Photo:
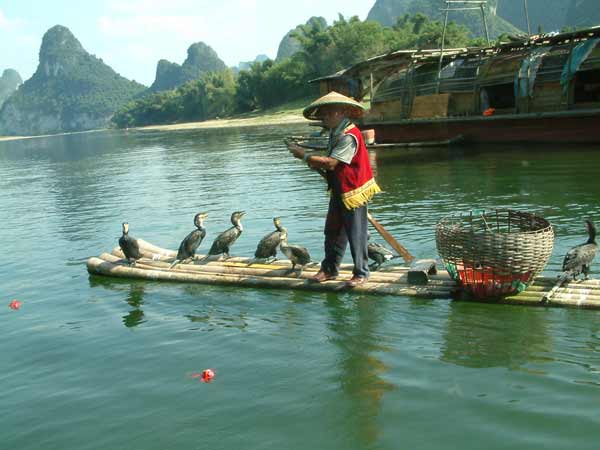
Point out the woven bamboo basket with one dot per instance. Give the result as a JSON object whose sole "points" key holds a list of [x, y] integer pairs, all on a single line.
{"points": [[494, 253]]}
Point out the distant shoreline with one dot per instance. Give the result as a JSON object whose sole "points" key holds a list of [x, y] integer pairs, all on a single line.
{"points": [[17, 138], [288, 114], [282, 118]]}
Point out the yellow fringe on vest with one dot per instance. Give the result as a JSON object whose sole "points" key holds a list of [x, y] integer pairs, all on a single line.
{"points": [[360, 196]]}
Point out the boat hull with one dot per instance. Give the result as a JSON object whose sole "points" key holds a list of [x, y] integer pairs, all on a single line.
{"points": [[561, 127]]}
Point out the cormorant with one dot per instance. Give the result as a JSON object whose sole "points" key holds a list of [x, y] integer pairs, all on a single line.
{"points": [[577, 260], [225, 240], [379, 254], [296, 254], [267, 247], [129, 246], [188, 247]]}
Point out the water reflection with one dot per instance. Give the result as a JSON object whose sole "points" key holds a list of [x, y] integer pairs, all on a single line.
{"points": [[485, 335], [360, 370], [135, 298], [214, 319]]}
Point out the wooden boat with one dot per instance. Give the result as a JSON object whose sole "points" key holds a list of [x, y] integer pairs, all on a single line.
{"points": [[393, 280], [320, 143], [544, 89]]}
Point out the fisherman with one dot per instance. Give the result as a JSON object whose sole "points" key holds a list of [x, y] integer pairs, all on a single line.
{"points": [[350, 181]]}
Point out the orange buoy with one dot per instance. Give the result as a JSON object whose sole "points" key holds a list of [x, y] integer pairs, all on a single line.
{"points": [[206, 376], [15, 304]]}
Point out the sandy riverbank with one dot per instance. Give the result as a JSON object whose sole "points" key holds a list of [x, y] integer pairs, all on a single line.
{"points": [[282, 118], [16, 138], [282, 115]]}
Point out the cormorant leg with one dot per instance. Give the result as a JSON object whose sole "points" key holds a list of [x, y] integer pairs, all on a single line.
{"points": [[174, 263]]}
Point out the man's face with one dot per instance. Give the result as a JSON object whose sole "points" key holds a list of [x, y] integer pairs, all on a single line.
{"points": [[331, 116]]}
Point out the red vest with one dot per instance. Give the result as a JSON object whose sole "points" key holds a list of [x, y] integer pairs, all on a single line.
{"points": [[356, 179]]}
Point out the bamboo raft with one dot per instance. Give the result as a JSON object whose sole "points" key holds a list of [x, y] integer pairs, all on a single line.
{"points": [[393, 280]]}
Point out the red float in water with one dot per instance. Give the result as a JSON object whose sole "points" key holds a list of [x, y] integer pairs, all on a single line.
{"points": [[206, 376], [15, 304]]}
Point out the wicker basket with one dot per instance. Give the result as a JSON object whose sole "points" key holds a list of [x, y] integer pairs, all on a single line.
{"points": [[494, 253]]}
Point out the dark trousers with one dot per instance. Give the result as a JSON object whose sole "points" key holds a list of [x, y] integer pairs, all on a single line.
{"points": [[345, 226]]}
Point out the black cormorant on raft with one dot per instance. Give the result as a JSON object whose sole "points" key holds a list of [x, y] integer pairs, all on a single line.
{"points": [[226, 239], [129, 245], [379, 254], [577, 260], [267, 247], [188, 247], [298, 255]]}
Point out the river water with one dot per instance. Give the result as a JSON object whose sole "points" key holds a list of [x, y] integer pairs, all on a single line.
{"points": [[96, 363]]}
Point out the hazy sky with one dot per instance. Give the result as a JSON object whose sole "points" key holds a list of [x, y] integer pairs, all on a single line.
{"points": [[132, 35]]}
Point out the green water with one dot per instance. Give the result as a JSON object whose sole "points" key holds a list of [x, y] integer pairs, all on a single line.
{"points": [[97, 363]]}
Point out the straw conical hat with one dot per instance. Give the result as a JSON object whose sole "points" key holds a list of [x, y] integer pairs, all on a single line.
{"points": [[333, 98]]}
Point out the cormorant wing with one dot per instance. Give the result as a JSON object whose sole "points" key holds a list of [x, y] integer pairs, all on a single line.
{"points": [[130, 247], [224, 241], [268, 245], [578, 256], [190, 244], [300, 253]]}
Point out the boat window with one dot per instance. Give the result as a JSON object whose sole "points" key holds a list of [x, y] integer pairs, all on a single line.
{"points": [[587, 87], [459, 76], [425, 79], [392, 88], [498, 96], [552, 65]]}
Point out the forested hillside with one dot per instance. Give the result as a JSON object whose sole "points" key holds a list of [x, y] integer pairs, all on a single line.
{"points": [[9, 82], [323, 50], [71, 90], [387, 12], [201, 59]]}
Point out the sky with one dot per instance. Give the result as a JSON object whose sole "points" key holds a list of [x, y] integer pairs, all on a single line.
{"points": [[132, 35]]}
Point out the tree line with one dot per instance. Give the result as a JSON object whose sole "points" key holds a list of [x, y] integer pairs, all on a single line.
{"points": [[324, 50]]}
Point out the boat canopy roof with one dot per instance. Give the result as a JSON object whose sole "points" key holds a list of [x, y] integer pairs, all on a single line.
{"points": [[384, 64]]}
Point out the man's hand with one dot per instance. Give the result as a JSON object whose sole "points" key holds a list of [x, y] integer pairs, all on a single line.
{"points": [[295, 150]]}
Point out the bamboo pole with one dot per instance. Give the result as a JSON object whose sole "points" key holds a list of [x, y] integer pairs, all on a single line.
{"points": [[266, 271], [158, 254], [102, 267]]}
